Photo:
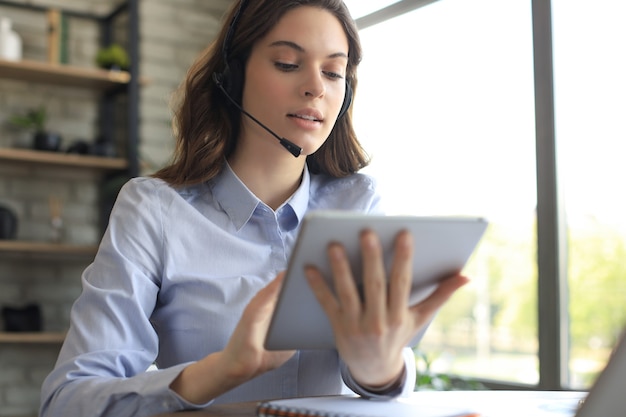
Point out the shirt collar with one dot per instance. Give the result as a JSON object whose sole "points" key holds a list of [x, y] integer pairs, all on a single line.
{"points": [[299, 201], [239, 202], [233, 196]]}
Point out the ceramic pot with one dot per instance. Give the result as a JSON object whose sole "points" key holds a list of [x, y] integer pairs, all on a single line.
{"points": [[10, 42], [47, 141], [8, 223], [22, 319]]}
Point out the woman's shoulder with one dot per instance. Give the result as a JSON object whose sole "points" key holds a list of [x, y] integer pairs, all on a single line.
{"points": [[144, 183], [142, 191], [358, 181], [142, 187], [354, 192], [150, 186], [149, 191]]}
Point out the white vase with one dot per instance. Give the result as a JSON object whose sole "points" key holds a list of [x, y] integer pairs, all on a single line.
{"points": [[10, 42]]}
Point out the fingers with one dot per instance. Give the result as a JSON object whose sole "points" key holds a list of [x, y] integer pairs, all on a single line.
{"points": [[376, 304], [369, 333], [263, 303], [321, 291], [383, 301], [374, 279], [254, 323], [245, 351], [345, 284], [400, 276]]}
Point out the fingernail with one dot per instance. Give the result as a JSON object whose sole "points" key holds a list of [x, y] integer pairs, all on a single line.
{"points": [[370, 240], [335, 252], [309, 274]]}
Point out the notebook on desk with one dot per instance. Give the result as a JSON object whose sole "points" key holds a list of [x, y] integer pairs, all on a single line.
{"points": [[352, 406], [607, 398]]}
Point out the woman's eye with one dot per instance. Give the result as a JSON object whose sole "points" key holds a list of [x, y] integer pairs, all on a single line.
{"points": [[285, 67], [333, 75]]}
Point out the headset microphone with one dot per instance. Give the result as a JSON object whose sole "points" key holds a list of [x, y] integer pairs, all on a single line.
{"points": [[294, 149]]}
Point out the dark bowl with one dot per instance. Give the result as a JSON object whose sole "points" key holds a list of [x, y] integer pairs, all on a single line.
{"points": [[47, 141], [8, 223]]}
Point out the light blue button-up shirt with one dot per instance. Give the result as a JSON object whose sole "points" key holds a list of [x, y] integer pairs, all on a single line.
{"points": [[173, 274]]}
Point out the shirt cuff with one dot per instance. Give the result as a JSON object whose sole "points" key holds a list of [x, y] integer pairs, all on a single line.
{"points": [[387, 392]]}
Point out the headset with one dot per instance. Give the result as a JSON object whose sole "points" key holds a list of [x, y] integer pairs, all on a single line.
{"points": [[230, 82]]}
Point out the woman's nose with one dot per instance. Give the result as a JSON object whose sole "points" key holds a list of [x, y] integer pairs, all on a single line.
{"points": [[313, 85]]}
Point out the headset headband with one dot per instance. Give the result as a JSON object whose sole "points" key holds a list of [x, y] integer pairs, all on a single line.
{"points": [[231, 31]]}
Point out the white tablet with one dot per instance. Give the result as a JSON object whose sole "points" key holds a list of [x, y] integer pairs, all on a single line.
{"points": [[442, 247]]}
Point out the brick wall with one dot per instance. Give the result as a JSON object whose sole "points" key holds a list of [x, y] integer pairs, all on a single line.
{"points": [[171, 35]]}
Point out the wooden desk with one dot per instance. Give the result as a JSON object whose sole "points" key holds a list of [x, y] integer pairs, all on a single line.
{"points": [[247, 409]]}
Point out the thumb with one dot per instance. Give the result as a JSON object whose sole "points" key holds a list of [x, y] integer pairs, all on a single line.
{"points": [[263, 303], [424, 310]]}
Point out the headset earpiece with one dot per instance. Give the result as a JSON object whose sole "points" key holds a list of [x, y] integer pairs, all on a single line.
{"points": [[347, 100], [231, 79]]}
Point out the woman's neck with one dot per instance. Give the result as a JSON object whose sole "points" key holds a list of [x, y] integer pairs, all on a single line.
{"points": [[272, 179]]}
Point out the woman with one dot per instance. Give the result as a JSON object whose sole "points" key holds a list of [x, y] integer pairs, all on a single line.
{"points": [[189, 269]]}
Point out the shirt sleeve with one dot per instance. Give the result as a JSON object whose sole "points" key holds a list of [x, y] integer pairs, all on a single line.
{"points": [[102, 367], [401, 389]]}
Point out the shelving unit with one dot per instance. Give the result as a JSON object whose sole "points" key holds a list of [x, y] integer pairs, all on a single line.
{"points": [[32, 338], [62, 75], [41, 250], [63, 160], [34, 249], [108, 84]]}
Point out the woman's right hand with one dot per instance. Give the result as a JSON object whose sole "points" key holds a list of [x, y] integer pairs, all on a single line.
{"points": [[245, 351], [243, 358]]}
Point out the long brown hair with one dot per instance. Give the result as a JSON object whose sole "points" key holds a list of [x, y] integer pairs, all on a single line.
{"points": [[206, 126]]}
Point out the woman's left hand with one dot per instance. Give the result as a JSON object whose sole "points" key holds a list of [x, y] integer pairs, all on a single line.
{"points": [[371, 334]]}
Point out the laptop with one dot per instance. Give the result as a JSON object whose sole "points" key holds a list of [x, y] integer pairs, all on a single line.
{"points": [[607, 397]]}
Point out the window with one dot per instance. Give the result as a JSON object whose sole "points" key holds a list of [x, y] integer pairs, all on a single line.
{"points": [[590, 105], [445, 106], [360, 8]]}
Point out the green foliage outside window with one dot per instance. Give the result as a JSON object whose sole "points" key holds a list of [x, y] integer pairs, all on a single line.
{"points": [[596, 262], [427, 379]]}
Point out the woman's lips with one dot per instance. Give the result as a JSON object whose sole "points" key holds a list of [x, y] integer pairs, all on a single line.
{"points": [[305, 117]]}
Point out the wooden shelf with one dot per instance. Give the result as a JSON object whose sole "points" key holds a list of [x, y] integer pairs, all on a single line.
{"points": [[65, 75], [32, 337], [63, 159], [43, 248]]}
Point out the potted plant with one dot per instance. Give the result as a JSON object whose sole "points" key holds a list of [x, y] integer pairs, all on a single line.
{"points": [[428, 380], [113, 57], [35, 121]]}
